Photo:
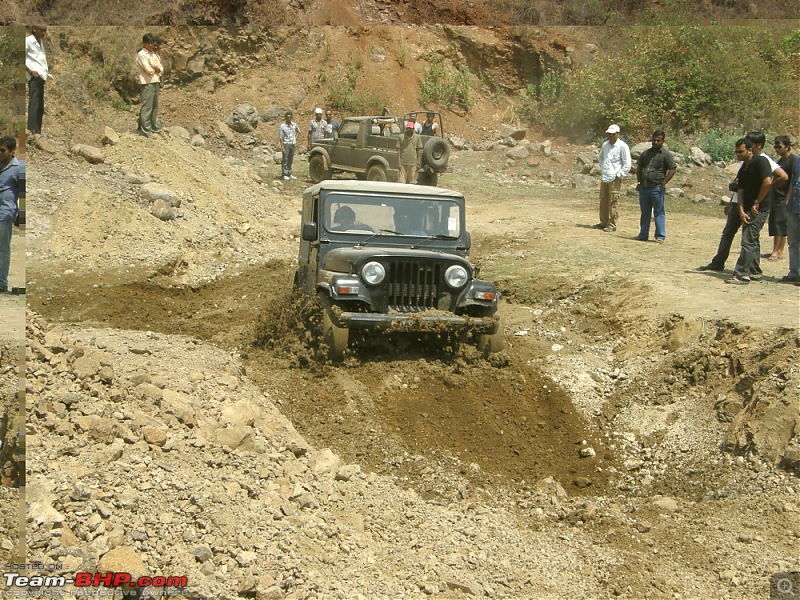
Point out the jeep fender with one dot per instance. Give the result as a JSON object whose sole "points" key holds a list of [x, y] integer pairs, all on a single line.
{"points": [[379, 160], [323, 153]]}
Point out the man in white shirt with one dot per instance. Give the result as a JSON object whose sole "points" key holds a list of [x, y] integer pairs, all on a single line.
{"points": [[615, 163], [150, 70], [36, 72]]}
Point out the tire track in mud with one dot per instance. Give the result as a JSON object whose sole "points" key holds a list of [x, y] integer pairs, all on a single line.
{"points": [[423, 409]]}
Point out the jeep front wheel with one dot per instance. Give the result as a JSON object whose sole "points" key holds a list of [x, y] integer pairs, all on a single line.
{"points": [[489, 343], [335, 338], [376, 173], [317, 170]]}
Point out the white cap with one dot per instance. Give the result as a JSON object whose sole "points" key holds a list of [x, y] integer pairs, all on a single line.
{"points": [[318, 111], [613, 129]]}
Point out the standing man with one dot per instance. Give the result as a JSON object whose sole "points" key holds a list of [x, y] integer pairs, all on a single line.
{"points": [[12, 184], [654, 169], [150, 70], [755, 182], [333, 124], [429, 126], [287, 135], [36, 73], [778, 214], [409, 150], [615, 163], [316, 128], [733, 221], [793, 225]]}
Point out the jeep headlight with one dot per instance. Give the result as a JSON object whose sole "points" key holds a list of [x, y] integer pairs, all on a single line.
{"points": [[456, 276], [373, 273]]}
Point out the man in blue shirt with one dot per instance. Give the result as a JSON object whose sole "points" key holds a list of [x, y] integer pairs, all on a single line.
{"points": [[12, 184], [793, 226]]}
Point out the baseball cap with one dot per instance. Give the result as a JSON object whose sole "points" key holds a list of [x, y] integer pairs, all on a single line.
{"points": [[613, 129], [409, 125], [317, 111]]}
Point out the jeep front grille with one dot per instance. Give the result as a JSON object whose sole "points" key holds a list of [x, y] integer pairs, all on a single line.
{"points": [[413, 286]]}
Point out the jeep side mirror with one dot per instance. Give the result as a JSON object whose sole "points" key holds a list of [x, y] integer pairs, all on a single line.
{"points": [[309, 231], [467, 240]]}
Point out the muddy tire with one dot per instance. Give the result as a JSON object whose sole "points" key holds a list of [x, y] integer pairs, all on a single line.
{"points": [[489, 343], [376, 173], [424, 178], [436, 153], [334, 338], [317, 170]]}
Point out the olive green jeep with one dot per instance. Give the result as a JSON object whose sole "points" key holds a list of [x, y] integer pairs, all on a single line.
{"points": [[367, 147], [379, 255]]}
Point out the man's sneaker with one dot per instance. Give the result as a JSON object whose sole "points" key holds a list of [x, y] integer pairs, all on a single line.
{"points": [[609, 229], [3, 288], [292, 177], [639, 238], [660, 240], [735, 280], [790, 279], [710, 267], [286, 178], [756, 277], [598, 226]]}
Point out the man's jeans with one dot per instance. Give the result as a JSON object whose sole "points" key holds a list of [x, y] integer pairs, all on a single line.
{"points": [[732, 225], [651, 200], [287, 160], [749, 262], [5, 250], [793, 231]]}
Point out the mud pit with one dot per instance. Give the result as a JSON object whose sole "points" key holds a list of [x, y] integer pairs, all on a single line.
{"points": [[633, 428], [396, 396]]}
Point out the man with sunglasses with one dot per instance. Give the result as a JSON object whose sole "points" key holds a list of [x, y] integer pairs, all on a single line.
{"points": [[12, 184]]}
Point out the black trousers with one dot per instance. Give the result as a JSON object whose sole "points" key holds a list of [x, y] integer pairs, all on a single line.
{"points": [[732, 225], [35, 104]]}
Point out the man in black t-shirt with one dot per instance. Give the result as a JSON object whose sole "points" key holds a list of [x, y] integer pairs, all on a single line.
{"points": [[755, 181]]}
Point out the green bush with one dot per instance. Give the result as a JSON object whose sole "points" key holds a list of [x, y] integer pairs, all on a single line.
{"points": [[444, 87], [685, 79], [343, 96]]}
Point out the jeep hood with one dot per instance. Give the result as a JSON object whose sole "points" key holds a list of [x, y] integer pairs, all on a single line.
{"points": [[347, 260]]}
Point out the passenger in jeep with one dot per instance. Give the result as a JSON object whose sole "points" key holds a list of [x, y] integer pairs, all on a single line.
{"points": [[345, 218]]}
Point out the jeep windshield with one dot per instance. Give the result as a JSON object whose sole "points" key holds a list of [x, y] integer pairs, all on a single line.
{"points": [[370, 214]]}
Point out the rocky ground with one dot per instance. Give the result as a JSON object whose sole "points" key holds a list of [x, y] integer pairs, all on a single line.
{"points": [[636, 439], [627, 444]]}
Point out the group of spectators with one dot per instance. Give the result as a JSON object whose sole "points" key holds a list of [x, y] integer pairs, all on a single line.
{"points": [[764, 191], [318, 129]]}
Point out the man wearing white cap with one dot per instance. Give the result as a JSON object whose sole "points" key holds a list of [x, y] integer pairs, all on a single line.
{"points": [[316, 128], [615, 163]]}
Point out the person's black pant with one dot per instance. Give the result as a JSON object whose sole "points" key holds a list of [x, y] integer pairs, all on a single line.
{"points": [[35, 104], [732, 225]]}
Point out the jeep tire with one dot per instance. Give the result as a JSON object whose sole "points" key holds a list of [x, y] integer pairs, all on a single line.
{"points": [[334, 338], [317, 170], [489, 343], [425, 178], [376, 173], [436, 153]]}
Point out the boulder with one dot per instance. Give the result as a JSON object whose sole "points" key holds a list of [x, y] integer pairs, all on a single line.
{"points": [[518, 153], [243, 119], [89, 153], [699, 157], [512, 131], [110, 137]]}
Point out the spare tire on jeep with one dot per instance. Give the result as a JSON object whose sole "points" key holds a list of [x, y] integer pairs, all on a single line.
{"points": [[436, 153]]}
